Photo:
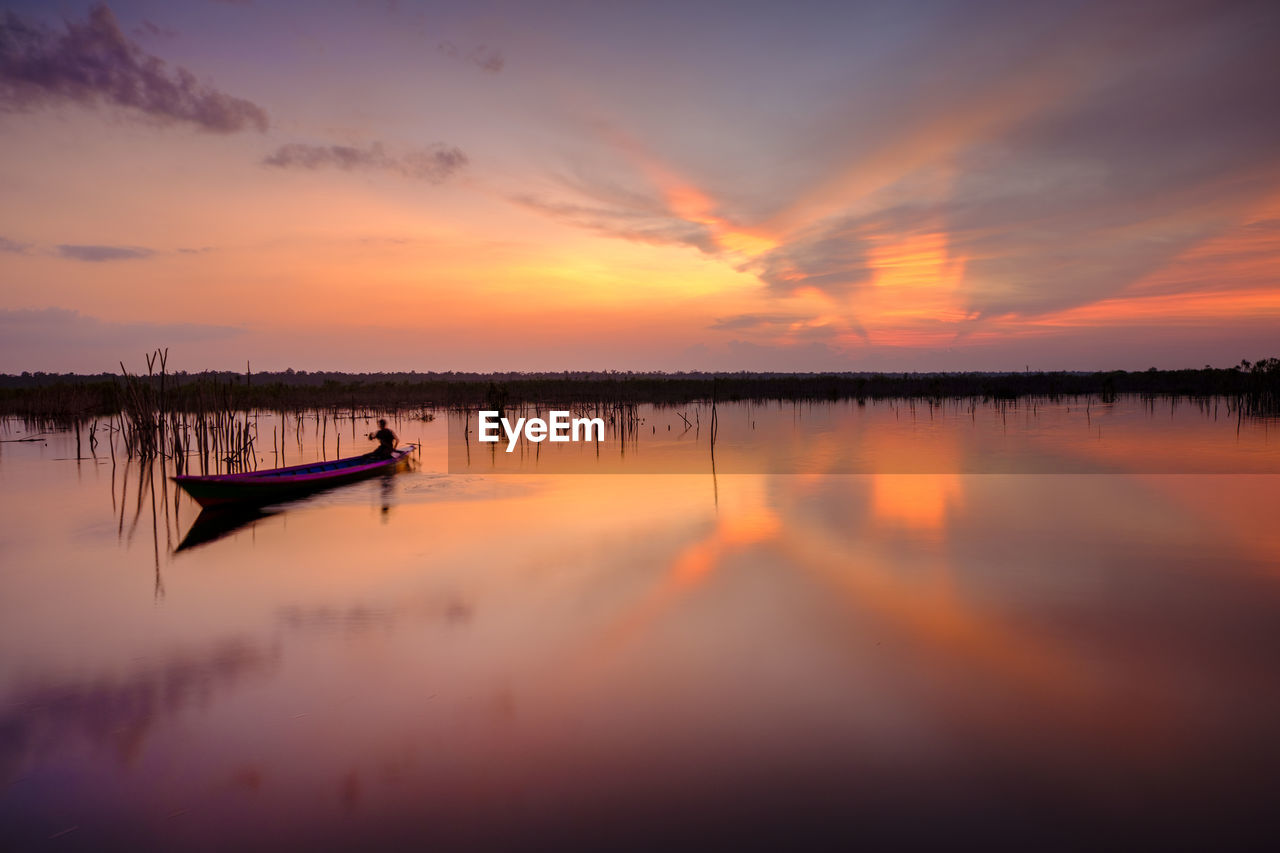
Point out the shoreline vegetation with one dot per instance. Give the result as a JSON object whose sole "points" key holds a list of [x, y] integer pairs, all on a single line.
{"points": [[206, 418], [64, 398]]}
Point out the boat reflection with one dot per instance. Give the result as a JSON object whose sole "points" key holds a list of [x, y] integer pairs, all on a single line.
{"points": [[386, 494], [219, 522]]}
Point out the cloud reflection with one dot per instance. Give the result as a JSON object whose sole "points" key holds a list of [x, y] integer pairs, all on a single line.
{"points": [[47, 714]]}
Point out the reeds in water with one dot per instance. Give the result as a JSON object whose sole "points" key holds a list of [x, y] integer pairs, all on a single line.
{"points": [[208, 427]]}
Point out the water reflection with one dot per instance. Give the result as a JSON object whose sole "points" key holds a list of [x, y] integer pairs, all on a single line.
{"points": [[758, 660], [386, 494], [1127, 435], [214, 523], [45, 714]]}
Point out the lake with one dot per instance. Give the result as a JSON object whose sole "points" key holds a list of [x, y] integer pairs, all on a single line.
{"points": [[1025, 627]]}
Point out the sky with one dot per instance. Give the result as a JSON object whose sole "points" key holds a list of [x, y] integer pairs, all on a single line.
{"points": [[899, 186]]}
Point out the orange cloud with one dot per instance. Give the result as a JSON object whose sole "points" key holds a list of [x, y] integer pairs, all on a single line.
{"points": [[687, 201], [929, 142]]}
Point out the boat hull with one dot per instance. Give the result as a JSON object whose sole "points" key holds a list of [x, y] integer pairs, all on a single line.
{"points": [[258, 488]]}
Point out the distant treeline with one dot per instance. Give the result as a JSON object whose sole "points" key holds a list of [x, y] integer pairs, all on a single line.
{"points": [[1255, 387]]}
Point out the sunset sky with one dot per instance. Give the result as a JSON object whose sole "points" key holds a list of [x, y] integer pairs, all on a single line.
{"points": [[649, 185]]}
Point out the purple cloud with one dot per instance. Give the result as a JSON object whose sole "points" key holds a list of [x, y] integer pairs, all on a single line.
{"points": [[151, 28], [487, 59], [643, 223], [753, 321], [104, 253], [93, 62], [482, 56], [434, 163]]}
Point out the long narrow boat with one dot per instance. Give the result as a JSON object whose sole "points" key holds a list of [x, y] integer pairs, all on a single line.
{"points": [[256, 488]]}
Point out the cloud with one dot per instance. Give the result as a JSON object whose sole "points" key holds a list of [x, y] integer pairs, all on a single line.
{"points": [[625, 203], [833, 260], [1141, 138], [643, 225], [793, 328], [434, 163], [752, 321], [150, 28], [104, 253], [7, 245], [482, 56], [1084, 151], [487, 59], [93, 62]]}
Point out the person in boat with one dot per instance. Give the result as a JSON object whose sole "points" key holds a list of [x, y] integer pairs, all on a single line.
{"points": [[386, 441]]}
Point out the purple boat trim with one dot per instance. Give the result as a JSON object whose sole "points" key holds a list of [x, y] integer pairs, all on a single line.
{"points": [[259, 487]]}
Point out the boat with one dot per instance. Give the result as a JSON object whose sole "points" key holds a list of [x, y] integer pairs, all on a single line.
{"points": [[257, 488]]}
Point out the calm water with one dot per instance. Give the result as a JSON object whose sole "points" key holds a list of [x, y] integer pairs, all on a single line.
{"points": [[548, 660], [892, 437]]}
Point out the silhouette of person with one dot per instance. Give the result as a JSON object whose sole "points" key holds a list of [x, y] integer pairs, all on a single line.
{"points": [[386, 441]]}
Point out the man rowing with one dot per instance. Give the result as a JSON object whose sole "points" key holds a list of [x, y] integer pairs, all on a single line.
{"points": [[386, 441]]}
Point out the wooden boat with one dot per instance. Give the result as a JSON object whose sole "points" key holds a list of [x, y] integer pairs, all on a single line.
{"points": [[281, 484]]}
